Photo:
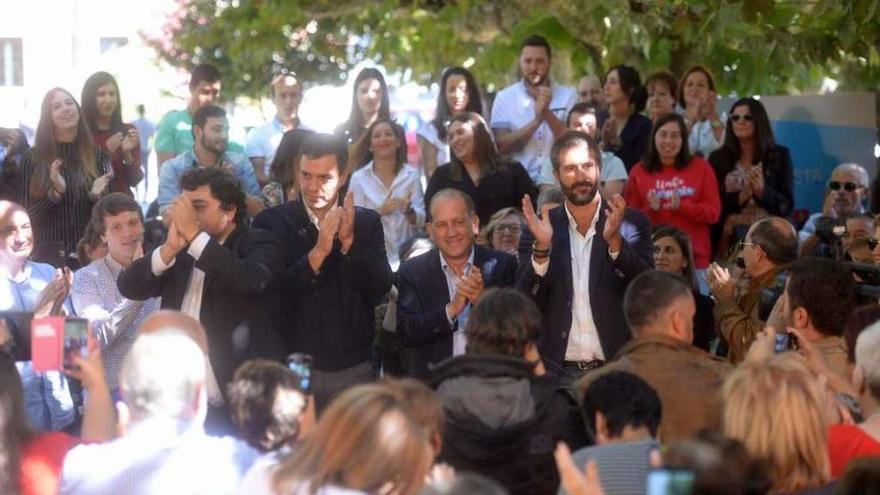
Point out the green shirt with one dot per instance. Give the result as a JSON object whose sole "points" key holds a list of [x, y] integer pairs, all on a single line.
{"points": [[174, 134]]}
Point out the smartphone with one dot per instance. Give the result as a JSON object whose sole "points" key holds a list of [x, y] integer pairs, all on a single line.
{"points": [[76, 340], [785, 342], [301, 365], [670, 482]]}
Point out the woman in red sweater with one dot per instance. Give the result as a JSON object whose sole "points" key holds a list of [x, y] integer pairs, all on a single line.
{"points": [[673, 188]]}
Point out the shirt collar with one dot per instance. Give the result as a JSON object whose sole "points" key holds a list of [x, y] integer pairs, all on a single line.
{"points": [[445, 265], [572, 223], [114, 266], [21, 278], [195, 160], [312, 217]]}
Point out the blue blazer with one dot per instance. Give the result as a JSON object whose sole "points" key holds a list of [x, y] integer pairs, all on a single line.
{"points": [[608, 282], [422, 297]]}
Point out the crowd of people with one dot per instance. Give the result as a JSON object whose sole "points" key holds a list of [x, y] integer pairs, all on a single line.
{"points": [[601, 289]]}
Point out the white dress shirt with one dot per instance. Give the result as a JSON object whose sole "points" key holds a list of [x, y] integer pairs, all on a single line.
{"points": [[192, 303], [369, 192], [583, 337]]}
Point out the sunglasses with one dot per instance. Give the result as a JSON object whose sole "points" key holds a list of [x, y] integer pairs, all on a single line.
{"points": [[509, 229], [736, 117], [742, 244], [846, 186]]}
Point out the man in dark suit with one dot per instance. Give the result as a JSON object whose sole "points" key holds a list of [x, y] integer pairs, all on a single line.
{"points": [[585, 254], [437, 289], [337, 271], [218, 271]]}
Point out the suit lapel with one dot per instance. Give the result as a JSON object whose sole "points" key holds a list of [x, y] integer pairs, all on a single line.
{"points": [[436, 277], [599, 251], [562, 245]]}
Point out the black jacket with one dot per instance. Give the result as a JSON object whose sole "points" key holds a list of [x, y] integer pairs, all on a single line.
{"points": [[608, 282], [239, 310], [422, 297], [329, 315], [503, 422]]}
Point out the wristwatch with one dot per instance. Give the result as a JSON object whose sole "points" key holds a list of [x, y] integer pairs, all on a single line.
{"points": [[716, 124]]}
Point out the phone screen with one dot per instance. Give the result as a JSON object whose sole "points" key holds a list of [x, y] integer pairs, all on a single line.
{"points": [[76, 339], [670, 482], [301, 365]]}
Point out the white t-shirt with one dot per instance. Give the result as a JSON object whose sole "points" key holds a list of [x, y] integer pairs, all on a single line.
{"points": [[514, 108], [263, 141], [429, 132]]}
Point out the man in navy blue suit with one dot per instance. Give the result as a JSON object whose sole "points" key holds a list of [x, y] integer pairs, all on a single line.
{"points": [[437, 289], [585, 254]]}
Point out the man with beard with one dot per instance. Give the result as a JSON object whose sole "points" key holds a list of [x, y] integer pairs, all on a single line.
{"points": [[210, 131], [576, 277], [529, 114], [847, 191]]}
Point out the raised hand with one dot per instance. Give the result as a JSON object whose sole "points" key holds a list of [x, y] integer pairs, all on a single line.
{"points": [[328, 227], [55, 177], [391, 205], [114, 142], [674, 200], [542, 102], [100, 185], [720, 282], [756, 179], [46, 299], [571, 478], [131, 140], [653, 200], [471, 287], [613, 220], [346, 223], [539, 227], [174, 241], [184, 214]]}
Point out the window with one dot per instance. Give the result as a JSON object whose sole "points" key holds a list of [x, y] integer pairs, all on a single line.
{"points": [[11, 66], [108, 44]]}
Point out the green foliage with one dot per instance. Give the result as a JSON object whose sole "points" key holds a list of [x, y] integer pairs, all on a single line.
{"points": [[752, 46]]}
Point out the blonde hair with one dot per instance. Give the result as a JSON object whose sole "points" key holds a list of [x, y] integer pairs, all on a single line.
{"points": [[364, 441], [776, 408]]}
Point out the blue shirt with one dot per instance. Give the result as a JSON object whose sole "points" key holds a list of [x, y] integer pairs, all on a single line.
{"points": [[173, 170], [47, 399]]}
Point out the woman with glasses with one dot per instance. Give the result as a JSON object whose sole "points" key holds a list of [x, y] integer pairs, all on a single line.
{"points": [[504, 231], [755, 176]]}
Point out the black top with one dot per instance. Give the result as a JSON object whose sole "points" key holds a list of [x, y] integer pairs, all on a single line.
{"points": [[59, 226], [634, 140], [778, 196], [502, 188], [704, 321], [329, 314]]}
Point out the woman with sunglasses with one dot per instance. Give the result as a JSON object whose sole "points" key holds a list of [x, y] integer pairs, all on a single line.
{"points": [[755, 176]]}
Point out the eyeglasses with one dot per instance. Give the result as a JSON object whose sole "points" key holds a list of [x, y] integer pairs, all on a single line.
{"points": [[743, 244], [846, 186], [736, 117], [510, 229]]}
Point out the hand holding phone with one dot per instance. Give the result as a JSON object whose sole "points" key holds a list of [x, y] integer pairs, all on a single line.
{"points": [[301, 365]]}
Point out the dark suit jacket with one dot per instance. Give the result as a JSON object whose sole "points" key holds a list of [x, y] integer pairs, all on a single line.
{"points": [[330, 315], [421, 305], [239, 309], [608, 281]]}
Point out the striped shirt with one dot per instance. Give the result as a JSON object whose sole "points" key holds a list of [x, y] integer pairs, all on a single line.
{"points": [[59, 225], [623, 467], [114, 319]]}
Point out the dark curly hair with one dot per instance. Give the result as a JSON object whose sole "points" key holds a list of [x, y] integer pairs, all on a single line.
{"points": [[503, 322]]}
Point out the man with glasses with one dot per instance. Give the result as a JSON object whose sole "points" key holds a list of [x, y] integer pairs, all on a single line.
{"points": [[845, 197], [769, 246]]}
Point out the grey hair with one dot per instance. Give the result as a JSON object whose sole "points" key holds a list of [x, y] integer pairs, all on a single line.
{"points": [[856, 169], [868, 356], [162, 374]]}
